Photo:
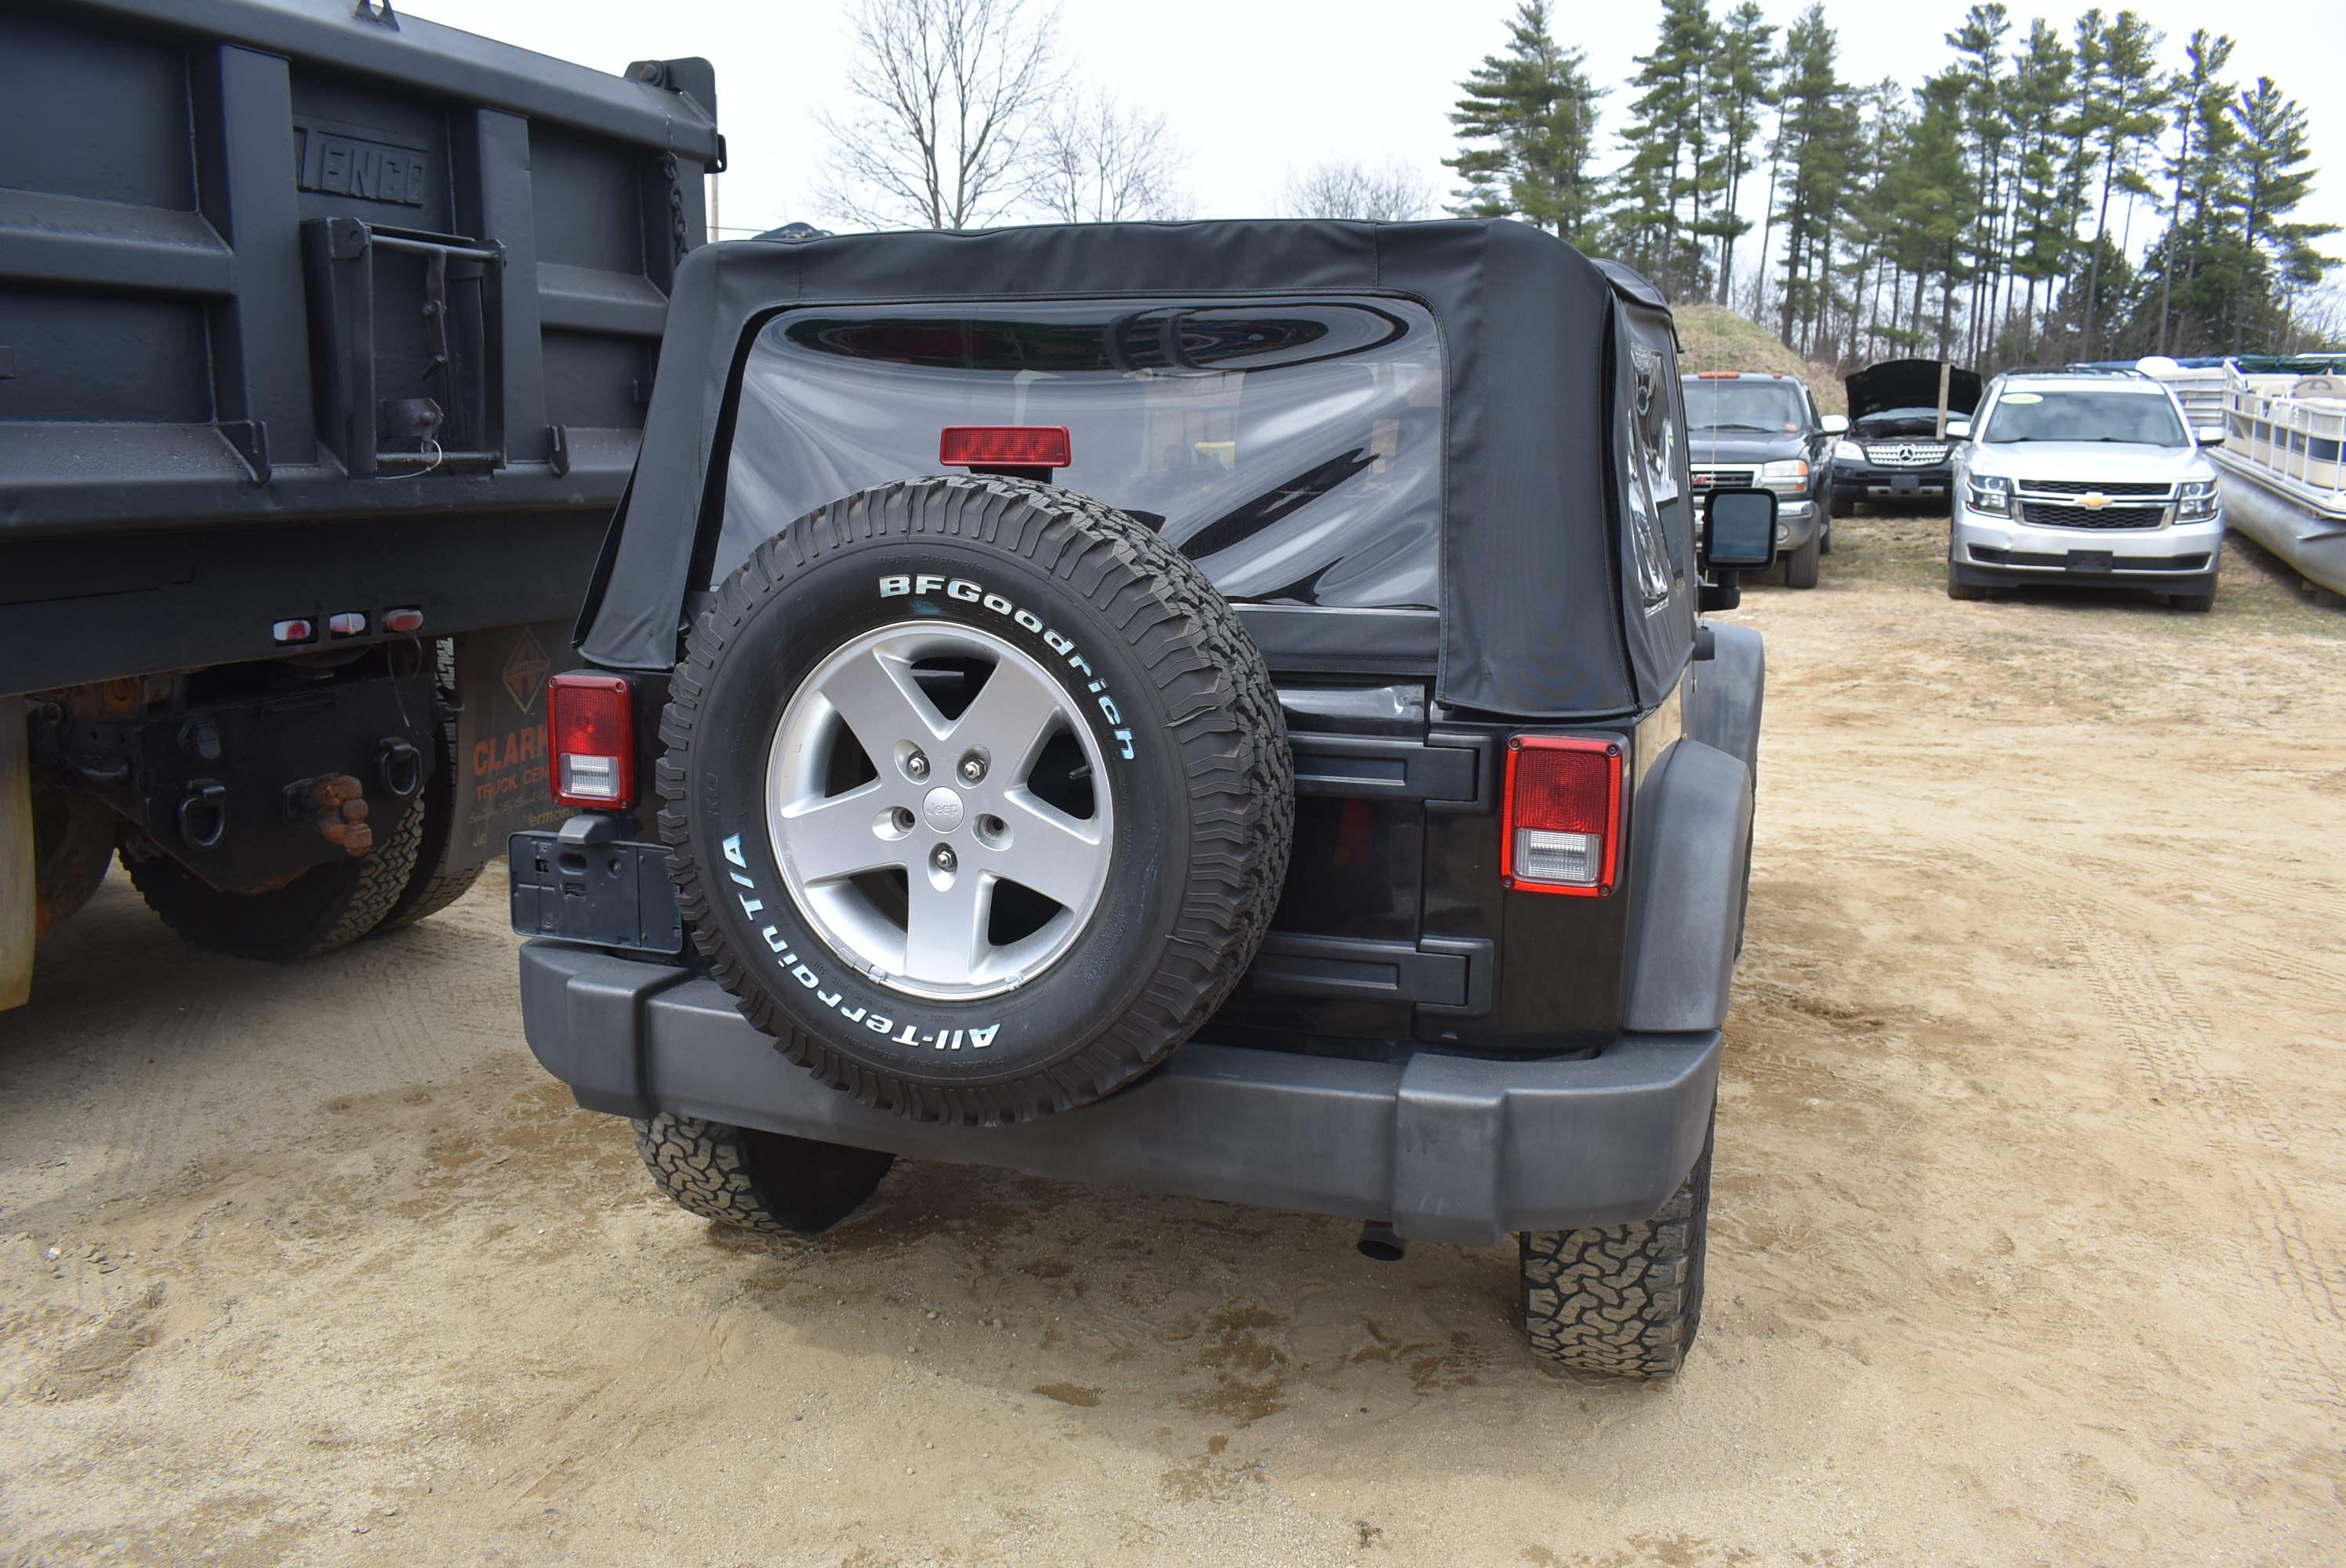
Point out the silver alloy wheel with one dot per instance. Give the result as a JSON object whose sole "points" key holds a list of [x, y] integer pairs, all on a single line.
{"points": [[953, 809]]}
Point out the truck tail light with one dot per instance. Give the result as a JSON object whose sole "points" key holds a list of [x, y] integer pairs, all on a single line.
{"points": [[1560, 822], [1043, 446], [590, 719]]}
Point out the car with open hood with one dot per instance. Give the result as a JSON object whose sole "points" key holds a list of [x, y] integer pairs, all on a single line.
{"points": [[1220, 708], [1762, 429], [2085, 478], [1897, 451]]}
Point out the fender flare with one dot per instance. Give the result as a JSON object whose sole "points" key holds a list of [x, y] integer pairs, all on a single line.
{"points": [[1726, 692], [1692, 839]]}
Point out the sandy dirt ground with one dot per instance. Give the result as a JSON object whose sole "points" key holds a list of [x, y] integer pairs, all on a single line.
{"points": [[2027, 1245]]}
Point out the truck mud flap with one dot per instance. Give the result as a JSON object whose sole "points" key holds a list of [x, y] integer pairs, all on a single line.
{"points": [[504, 782]]}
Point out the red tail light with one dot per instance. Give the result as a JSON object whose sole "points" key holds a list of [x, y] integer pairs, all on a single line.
{"points": [[1560, 825], [591, 722], [1006, 446]]}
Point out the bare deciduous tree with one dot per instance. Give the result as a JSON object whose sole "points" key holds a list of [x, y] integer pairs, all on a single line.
{"points": [[947, 97], [1393, 194], [1100, 163]]}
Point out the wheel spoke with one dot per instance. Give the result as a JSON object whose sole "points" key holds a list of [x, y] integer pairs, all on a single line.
{"points": [[1051, 852], [833, 838], [881, 703], [1011, 716], [944, 934]]}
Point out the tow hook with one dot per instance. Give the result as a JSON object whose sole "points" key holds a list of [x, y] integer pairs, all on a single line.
{"points": [[336, 806], [1379, 1241], [398, 767], [203, 814]]}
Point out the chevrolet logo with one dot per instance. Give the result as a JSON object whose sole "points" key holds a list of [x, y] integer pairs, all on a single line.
{"points": [[2093, 501]]}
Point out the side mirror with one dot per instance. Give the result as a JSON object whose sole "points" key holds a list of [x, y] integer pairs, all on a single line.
{"points": [[1959, 429], [1835, 423], [2209, 436], [1739, 530]]}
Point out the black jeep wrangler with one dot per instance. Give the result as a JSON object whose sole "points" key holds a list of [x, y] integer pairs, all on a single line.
{"points": [[1215, 707]]}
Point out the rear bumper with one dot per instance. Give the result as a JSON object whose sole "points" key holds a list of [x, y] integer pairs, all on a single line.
{"points": [[1446, 1148]]}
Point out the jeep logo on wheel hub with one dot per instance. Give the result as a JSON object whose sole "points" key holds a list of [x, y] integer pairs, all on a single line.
{"points": [[942, 808]]}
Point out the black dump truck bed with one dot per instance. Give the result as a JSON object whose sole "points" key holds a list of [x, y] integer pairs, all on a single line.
{"points": [[292, 289], [326, 337]]}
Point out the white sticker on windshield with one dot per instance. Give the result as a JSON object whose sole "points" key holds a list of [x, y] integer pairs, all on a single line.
{"points": [[2024, 397]]}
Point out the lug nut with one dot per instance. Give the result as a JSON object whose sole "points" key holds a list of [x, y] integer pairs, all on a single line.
{"points": [[943, 858], [916, 765], [972, 769]]}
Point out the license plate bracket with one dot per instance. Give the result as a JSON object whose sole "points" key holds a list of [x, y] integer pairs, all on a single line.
{"points": [[1905, 482], [608, 894], [2089, 560]]}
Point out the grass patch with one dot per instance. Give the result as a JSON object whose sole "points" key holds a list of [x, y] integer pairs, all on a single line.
{"points": [[2255, 591], [1716, 339]]}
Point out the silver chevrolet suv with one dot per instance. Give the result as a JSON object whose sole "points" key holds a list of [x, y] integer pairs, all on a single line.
{"points": [[2087, 479]]}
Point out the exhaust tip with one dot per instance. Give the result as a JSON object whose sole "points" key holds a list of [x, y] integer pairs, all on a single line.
{"points": [[1379, 1242]]}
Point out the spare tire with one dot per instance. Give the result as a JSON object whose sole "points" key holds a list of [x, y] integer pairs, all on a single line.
{"points": [[977, 796]]}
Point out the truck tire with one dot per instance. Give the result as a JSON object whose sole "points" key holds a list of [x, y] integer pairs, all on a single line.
{"points": [[1627, 1300], [1801, 565], [324, 908], [757, 1180], [977, 796], [1969, 593], [73, 845], [430, 887]]}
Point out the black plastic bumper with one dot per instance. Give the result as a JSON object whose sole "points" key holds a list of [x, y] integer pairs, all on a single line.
{"points": [[1447, 1148], [1890, 484]]}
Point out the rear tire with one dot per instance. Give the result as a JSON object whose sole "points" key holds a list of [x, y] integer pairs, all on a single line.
{"points": [[324, 908], [755, 1180], [1624, 1300], [1801, 565], [430, 889]]}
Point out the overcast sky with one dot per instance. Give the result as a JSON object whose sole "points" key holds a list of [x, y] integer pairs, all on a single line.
{"points": [[1254, 88]]}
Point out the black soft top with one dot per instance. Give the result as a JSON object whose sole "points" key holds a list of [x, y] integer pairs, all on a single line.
{"points": [[1543, 614]]}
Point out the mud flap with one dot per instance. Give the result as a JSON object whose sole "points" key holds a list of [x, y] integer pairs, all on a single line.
{"points": [[504, 783], [17, 912]]}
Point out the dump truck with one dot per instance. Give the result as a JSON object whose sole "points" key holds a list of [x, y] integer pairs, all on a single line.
{"points": [[326, 335]]}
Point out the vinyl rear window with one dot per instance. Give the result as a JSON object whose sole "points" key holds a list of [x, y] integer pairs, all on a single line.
{"points": [[1291, 447]]}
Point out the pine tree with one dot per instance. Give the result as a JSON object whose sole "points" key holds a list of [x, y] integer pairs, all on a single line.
{"points": [[2044, 233], [2269, 165], [2198, 174], [1737, 86], [1668, 138], [1526, 129], [1813, 137], [1932, 201], [2123, 100], [1978, 45]]}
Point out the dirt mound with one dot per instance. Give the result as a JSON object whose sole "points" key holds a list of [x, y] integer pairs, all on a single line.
{"points": [[1718, 339]]}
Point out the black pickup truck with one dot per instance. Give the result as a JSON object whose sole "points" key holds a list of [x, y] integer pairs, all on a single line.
{"points": [[1216, 707], [325, 338]]}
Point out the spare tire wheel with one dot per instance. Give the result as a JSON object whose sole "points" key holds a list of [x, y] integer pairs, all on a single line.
{"points": [[978, 797]]}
